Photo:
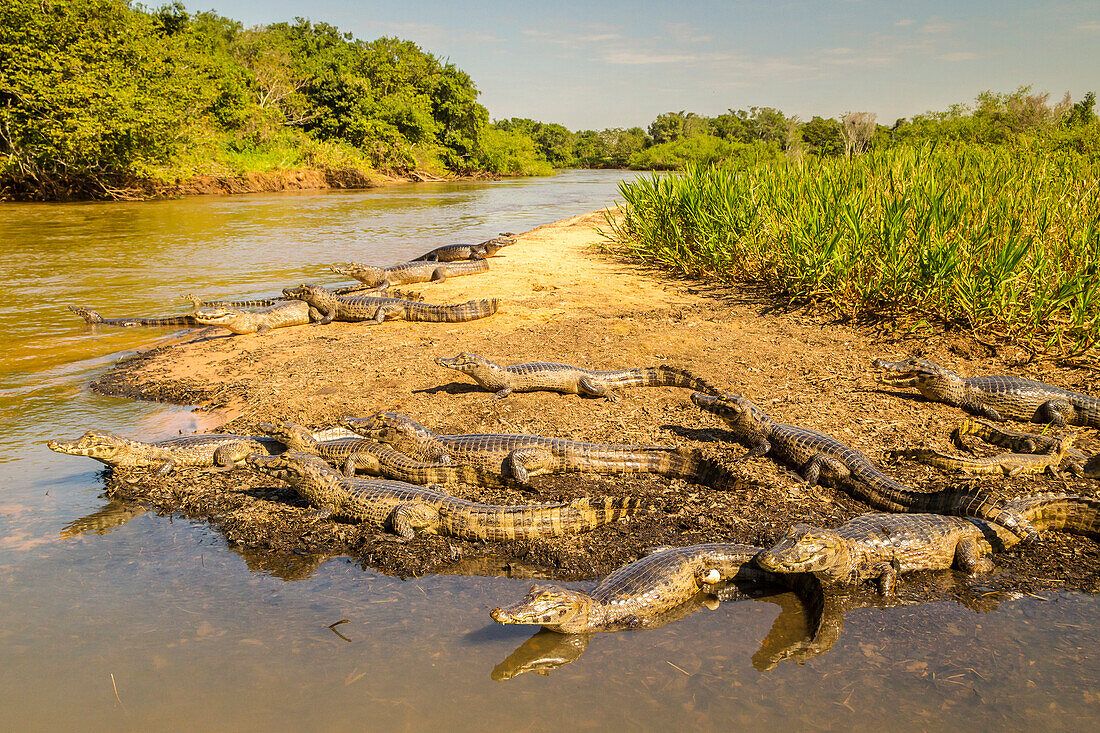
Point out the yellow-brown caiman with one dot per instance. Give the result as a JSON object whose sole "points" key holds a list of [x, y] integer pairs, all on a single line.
{"points": [[877, 547], [205, 450], [551, 377], [458, 252], [821, 457], [278, 315], [1011, 464], [634, 594], [997, 397], [519, 457], [1078, 463], [334, 307], [409, 272], [405, 509]]}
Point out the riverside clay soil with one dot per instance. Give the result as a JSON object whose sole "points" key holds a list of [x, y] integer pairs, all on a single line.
{"points": [[565, 299]]}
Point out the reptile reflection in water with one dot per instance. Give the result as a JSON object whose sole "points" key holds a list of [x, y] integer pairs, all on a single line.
{"points": [[105, 519]]}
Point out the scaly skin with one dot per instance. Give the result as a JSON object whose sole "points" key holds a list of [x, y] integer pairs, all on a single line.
{"points": [[819, 456], [405, 509], [409, 272], [550, 377], [633, 594], [280, 315], [458, 252], [877, 547], [93, 317], [1016, 442], [996, 397], [376, 310], [360, 289], [207, 450], [518, 457], [1011, 464]]}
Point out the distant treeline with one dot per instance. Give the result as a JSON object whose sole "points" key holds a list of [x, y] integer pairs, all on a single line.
{"points": [[104, 97], [678, 139]]}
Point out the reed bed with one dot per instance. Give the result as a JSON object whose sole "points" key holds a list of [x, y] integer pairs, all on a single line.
{"points": [[1005, 242]]}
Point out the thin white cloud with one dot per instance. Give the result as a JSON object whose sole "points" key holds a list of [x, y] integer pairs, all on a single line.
{"points": [[687, 33], [905, 22], [1092, 26], [937, 25], [958, 56], [637, 58]]}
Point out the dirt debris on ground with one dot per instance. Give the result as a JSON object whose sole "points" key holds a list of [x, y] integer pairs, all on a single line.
{"points": [[564, 300]]}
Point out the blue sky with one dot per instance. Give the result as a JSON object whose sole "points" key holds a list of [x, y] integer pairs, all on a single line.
{"points": [[591, 65]]}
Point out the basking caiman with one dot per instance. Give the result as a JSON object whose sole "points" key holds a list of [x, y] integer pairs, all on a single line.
{"points": [[409, 272], [405, 509], [1018, 442], [876, 547], [279, 315], [334, 307], [206, 450], [1011, 464], [364, 290], [458, 252], [519, 457], [550, 377], [93, 317], [996, 397], [634, 593], [819, 456]]}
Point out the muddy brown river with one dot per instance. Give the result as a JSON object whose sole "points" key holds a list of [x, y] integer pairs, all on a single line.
{"points": [[115, 617]]}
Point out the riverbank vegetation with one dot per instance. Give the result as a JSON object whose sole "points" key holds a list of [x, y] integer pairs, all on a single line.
{"points": [[1003, 240]]}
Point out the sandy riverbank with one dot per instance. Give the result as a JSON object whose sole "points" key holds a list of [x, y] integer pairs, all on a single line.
{"points": [[563, 300]]}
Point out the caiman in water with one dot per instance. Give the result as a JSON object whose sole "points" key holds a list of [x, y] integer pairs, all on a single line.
{"points": [[519, 457], [458, 252], [405, 509], [635, 594], [409, 272], [997, 397], [334, 307], [821, 457], [205, 450], [92, 317], [551, 377], [877, 547]]}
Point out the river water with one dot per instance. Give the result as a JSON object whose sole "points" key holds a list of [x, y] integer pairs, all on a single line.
{"points": [[154, 621]]}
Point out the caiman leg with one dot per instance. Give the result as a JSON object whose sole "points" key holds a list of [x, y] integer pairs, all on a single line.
{"points": [[522, 462], [822, 465]]}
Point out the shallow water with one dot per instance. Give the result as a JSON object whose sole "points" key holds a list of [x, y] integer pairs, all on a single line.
{"points": [[156, 622]]}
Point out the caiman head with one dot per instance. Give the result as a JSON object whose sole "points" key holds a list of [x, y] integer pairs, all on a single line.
{"points": [[98, 444], [89, 315], [913, 372], [382, 425], [217, 315], [362, 273], [738, 412], [292, 467], [495, 245], [806, 549], [312, 294], [292, 435], [557, 609], [468, 363]]}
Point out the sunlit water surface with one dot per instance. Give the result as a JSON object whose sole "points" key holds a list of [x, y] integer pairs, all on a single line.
{"points": [[159, 623]]}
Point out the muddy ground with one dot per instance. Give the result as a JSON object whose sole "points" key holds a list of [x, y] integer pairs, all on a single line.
{"points": [[564, 300]]}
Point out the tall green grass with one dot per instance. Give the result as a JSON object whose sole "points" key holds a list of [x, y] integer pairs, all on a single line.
{"points": [[1002, 241]]}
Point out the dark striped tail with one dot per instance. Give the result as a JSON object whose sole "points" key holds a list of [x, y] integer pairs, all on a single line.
{"points": [[469, 311], [660, 376]]}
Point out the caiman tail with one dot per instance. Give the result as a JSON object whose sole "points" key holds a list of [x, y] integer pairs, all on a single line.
{"points": [[1053, 511], [468, 311], [500, 523], [660, 376], [93, 317]]}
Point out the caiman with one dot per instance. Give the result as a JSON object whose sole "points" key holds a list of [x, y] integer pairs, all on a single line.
{"points": [[1011, 464], [334, 307], [405, 509], [997, 397], [551, 377], [877, 547], [633, 594], [205, 450], [822, 457], [409, 272], [458, 252], [518, 457], [198, 302], [1017, 442], [279, 315], [93, 317]]}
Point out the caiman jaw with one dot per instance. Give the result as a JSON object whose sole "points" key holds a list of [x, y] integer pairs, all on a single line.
{"points": [[549, 606], [803, 550], [724, 406]]}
